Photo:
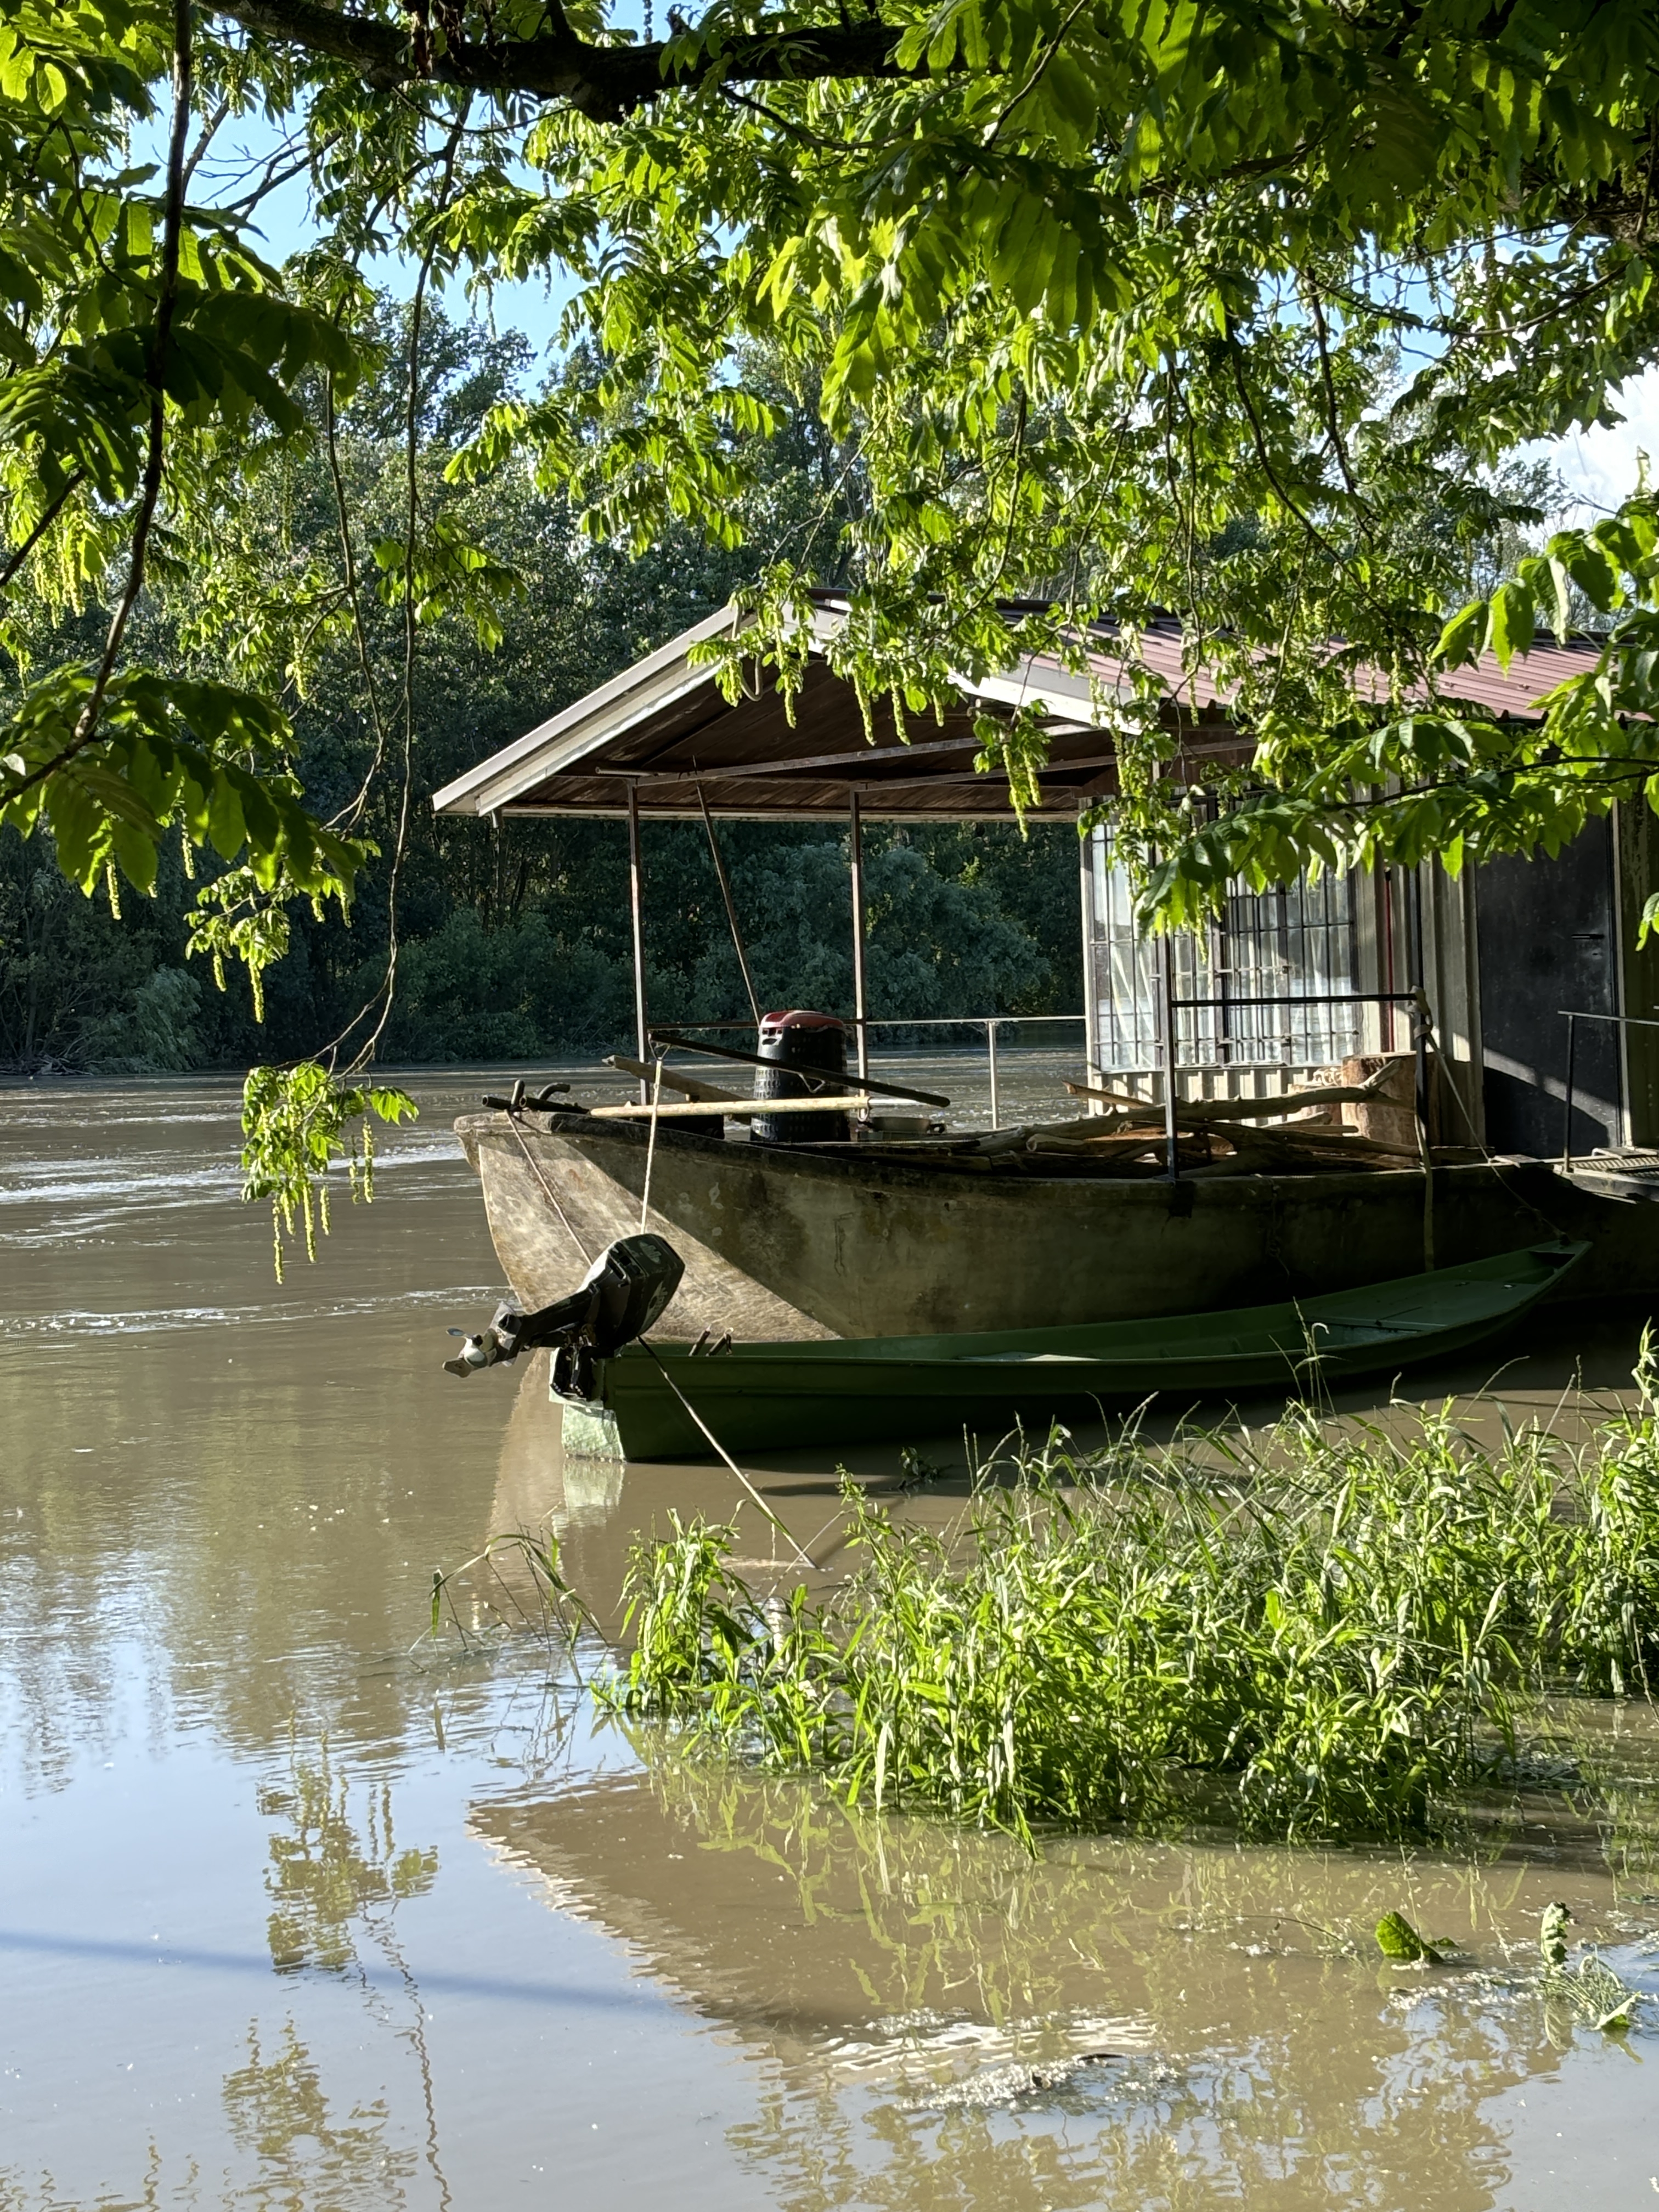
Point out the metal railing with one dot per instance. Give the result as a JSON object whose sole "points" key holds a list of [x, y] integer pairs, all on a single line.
{"points": [[990, 1023], [1421, 1026], [1618, 1021]]}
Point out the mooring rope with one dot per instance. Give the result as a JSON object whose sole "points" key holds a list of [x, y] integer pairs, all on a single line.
{"points": [[651, 1144], [805, 1557], [552, 1196], [765, 1511]]}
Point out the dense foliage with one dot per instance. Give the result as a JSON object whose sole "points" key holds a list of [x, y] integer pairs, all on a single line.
{"points": [[1223, 309], [515, 944]]}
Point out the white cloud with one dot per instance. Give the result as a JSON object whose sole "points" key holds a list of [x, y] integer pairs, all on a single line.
{"points": [[1599, 467]]}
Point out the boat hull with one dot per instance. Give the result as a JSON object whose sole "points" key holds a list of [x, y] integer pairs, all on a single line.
{"points": [[785, 1243], [544, 1247], [768, 1396]]}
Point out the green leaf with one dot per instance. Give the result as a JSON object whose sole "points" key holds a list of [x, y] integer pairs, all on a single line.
{"points": [[1464, 636], [1513, 622], [1398, 1940]]}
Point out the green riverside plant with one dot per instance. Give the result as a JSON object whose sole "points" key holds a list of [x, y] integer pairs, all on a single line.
{"points": [[1313, 1630]]}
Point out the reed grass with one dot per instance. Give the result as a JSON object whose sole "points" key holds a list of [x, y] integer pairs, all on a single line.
{"points": [[1314, 1631]]}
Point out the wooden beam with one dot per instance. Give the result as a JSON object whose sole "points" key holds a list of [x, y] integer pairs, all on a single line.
{"points": [[688, 1085], [807, 1074], [810, 771], [745, 1112], [866, 754]]}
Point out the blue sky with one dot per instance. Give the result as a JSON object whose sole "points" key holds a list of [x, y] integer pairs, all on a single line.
{"points": [[1600, 466], [284, 224]]}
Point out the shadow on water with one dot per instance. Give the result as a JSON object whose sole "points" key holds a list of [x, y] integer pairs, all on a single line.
{"points": [[943, 2019]]}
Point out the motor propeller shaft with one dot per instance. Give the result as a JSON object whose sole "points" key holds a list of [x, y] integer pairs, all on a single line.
{"points": [[622, 1296]]}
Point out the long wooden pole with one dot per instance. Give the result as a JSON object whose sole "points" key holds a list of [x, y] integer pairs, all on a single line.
{"points": [[636, 902], [860, 1010], [807, 1074]]}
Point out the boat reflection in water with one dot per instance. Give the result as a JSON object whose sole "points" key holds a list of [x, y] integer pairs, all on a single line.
{"points": [[538, 1490]]}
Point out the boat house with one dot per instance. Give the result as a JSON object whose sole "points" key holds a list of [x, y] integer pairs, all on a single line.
{"points": [[1290, 982]]}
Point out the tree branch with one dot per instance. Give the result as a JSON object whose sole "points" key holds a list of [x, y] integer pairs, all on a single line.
{"points": [[166, 298], [47, 517], [602, 83]]}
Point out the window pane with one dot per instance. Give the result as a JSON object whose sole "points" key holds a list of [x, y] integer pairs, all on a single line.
{"points": [[1297, 944]]}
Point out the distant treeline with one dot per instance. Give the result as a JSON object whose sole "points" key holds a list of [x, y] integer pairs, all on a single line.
{"points": [[514, 943]]}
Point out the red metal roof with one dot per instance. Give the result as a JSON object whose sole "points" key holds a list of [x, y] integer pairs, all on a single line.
{"points": [[1514, 693], [663, 729]]}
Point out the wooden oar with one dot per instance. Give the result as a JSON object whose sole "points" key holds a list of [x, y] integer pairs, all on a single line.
{"points": [[670, 1078]]}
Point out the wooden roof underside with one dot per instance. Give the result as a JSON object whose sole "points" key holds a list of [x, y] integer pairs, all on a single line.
{"points": [[664, 728], [750, 761]]}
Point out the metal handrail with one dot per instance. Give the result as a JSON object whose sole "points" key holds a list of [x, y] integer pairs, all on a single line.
{"points": [[1421, 1027], [910, 1021], [1309, 998], [990, 1023], [1618, 1021]]}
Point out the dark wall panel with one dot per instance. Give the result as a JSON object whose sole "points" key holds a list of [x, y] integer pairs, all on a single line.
{"points": [[1545, 940], [1637, 832]]}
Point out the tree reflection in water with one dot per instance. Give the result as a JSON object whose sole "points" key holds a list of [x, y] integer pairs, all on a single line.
{"points": [[328, 1882], [281, 2117], [883, 1970], [323, 1877]]}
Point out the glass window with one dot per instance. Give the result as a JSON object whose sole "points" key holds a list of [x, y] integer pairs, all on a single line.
{"points": [[1294, 944]]}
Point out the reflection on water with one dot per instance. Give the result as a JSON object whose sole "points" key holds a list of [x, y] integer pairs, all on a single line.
{"points": [[300, 2150], [1175, 2024], [325, 1875], [299, 1910]]}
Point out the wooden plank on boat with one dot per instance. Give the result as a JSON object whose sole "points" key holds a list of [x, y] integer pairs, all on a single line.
{"points": [[1283, 1103], [672, 1079], [745, 1110], [879, 1090]]}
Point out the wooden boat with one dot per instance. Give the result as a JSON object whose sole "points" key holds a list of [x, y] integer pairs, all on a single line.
{"points": [[793, 1241], [757, 1396]]}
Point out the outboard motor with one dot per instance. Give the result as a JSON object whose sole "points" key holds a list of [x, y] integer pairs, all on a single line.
{"points": [[622, 1296], [799, 1039]]}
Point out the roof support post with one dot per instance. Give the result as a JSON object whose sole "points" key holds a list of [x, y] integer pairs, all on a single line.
{"points": [[636, 902], [860, 1010], [1167, 1023]]}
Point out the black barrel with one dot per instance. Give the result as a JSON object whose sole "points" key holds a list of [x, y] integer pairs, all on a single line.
{"points": [[796, 1040]]}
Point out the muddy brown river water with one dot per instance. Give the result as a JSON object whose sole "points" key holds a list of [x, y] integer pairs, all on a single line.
{"points": [[297, 1910]]}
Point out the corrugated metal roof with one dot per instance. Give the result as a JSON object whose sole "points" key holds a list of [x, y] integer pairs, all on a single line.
{"points": [[1513, 694], [664, 726]]}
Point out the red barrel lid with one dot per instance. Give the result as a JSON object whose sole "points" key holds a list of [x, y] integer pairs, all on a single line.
{"points": [[801, 1017]]}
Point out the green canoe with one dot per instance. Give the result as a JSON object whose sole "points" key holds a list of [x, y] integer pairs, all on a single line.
{"points": [[766, 1396]]}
